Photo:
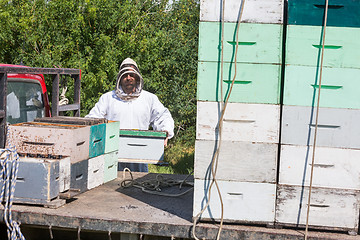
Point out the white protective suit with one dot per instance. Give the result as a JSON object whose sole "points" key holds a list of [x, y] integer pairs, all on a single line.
{"points": [[139, 113]]}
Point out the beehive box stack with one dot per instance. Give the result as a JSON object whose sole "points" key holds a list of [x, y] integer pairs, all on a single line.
{"points": [[248, 152], [335, 198]]}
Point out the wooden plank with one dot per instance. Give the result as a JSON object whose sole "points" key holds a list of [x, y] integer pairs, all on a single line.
{"points": [[254, 83], [341, 13], [339, 86], [304, 44], [65, 174], [79, 176], [337, 127], [238, 161], [142, 133], [331, 165], [257, 43], [51, 139], [71, 120], [258, 123], [329, 207], [242, 201], [255, 11]]}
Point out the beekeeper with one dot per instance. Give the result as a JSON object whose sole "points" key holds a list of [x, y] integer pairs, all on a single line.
{"points": [[133, 107]]}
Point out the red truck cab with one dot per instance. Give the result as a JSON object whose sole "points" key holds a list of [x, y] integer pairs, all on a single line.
{"points": [[27, 97]]}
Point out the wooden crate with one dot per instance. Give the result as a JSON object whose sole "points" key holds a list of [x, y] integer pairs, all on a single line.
{"points": [[110, 166], [341, 13], [339, 86], [141, 145], [243, 201], [112, 136], [258, 43], [242, 122], [255, 11], [304, 44], [333, 167], [330, 208], [95, 171], [51, 139], [237, 161], [337, 127], [255, 83]]}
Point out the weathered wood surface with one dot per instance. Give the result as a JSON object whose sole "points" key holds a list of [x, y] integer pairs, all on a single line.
{"points": [[96, 171], [79, 176], [97, 140], [110, 208], [242, 201], [333, 167], [257, 43], [71, 120], [242, 122], [112, 136], [51, 139], [254, 11], [339, 86], [329, 207], [237, 161], [254, 83], [304, 44], [337, 127]]}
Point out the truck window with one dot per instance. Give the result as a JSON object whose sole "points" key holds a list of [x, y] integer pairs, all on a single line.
{"points": [[24, 101]]}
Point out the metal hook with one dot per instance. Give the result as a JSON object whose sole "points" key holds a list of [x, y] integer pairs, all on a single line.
{"points": [[78, 233], [51, 233], [109, 234]]}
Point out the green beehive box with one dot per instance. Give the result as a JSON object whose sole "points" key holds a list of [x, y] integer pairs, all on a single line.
{"points": [[341, 13], [110, 166], [254, 83], [97, 140], [341, 49], [257, 43], [112, 136], [340, 87]]}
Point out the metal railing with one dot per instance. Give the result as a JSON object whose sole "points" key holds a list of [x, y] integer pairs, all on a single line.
{"points": [[55, 107]]}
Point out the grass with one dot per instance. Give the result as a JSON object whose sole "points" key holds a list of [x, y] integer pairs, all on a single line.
{"points": [[180, 159]]}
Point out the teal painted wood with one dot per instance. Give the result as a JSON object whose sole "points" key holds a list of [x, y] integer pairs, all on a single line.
{"points": [[255, 83], [304, 44], [257, 43], [340, 87], [110, 166], [142, 133], [97, 140], [341, 13], [112, 137]]}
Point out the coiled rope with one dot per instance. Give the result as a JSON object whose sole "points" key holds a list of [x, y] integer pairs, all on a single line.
{"points": [[155, 186], [9, 164], [316, 120], [214, 161]]}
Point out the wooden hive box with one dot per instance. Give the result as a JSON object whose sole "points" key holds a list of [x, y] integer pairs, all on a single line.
{"points": [[141, 145], [51, 139]]}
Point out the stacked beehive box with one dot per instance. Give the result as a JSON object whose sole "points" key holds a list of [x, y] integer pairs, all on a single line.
{"points": [[335, 195], [247, 161], [90, 151]]}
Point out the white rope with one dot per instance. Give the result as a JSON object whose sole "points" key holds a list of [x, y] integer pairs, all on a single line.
{"points": [[63, 100], [9, 163]]}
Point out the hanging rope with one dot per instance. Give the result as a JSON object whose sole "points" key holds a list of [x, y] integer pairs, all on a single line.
{"points": [[9, 163], [214, 161], [316, 121]]}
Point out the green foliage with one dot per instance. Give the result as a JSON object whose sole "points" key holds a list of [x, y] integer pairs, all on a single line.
{"points": [[97, 35]]}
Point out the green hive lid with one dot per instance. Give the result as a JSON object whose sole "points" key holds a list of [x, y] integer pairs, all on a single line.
{"points": [[142, 133]]}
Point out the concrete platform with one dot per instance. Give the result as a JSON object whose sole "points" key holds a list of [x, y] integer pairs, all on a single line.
{"points": [[112, 208]]}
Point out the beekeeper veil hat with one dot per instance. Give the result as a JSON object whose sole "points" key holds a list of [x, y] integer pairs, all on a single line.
{"points": [[129, 66]]}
